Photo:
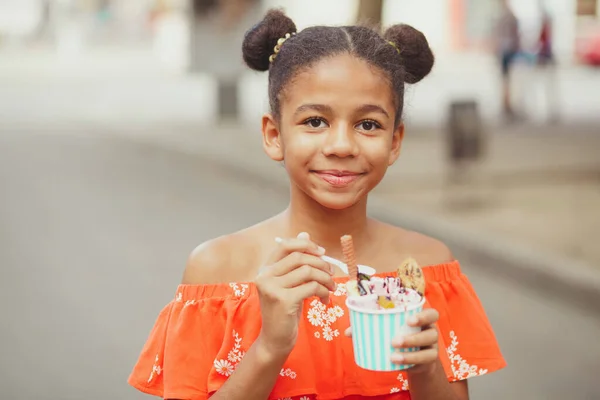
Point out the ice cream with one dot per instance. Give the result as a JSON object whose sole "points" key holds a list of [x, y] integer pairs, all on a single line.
{"points": [[379, 309], [375, 293]]}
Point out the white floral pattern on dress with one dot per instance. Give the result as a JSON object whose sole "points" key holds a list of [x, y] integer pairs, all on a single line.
{"points": [[236, 355], [239, 289], [321, 316], [460, 367], [287, 372], [189, 303], [226, 367], [179, 297], [156, 370], [404, 383], [340, 290]]}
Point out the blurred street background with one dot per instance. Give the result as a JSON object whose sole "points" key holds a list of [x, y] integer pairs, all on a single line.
{"points": [[129, 133]]}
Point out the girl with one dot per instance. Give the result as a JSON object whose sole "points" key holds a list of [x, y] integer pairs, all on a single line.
{"points": [[259, 315]]}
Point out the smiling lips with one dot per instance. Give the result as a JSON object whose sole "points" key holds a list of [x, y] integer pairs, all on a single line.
{"points": [[338, 178]]}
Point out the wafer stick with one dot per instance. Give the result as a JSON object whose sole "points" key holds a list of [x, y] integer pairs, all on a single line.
{"points": [[349, 256]]}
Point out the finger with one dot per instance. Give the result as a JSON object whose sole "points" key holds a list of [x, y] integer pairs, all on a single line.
{"points": [[310, 289], [348, 332], [287, 246], [417, 357], [425, 338], [426, 317], [298, 259], [304, 274]]}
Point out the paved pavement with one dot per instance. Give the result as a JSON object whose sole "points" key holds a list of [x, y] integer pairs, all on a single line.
{"points": [[535, 187], [94, 232]]}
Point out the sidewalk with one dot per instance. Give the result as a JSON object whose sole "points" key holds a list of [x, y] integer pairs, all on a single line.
{"points": [[540, 189], [532, 202], [533, 206], [534, 210]]}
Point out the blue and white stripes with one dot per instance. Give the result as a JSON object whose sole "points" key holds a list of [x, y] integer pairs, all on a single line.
{"points": [[372, 334]]}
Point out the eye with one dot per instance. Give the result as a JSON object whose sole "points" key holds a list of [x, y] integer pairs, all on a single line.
{"points": [[368, 125], [315, 123]]}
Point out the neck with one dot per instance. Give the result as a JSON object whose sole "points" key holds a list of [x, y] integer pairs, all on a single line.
{"points": [[326, 226]]}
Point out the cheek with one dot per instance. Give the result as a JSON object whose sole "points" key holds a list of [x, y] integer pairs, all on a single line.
{"points": [[377, 151], [300, 146]]}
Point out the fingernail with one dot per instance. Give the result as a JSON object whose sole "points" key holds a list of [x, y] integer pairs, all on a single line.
{"points": [[303, 235], [279, 240], [321, 250], [413, 320], [331, 269], [398, 342]]}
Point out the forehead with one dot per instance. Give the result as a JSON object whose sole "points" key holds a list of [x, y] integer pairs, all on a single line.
{"points": [[340, 81]]}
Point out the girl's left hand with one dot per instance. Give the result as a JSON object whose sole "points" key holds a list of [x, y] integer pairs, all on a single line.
{"points": [[427, 340]]}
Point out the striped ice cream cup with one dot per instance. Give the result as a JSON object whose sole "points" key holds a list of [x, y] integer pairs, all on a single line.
{"points": [[373, 331]]}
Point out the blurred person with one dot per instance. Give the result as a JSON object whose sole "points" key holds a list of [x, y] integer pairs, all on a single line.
{"points": [[259, 314], [547, 63], [545, 53], [507, 41]]}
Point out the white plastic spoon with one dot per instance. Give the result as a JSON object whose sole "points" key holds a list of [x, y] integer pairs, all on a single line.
{"points": [[341, 265]]}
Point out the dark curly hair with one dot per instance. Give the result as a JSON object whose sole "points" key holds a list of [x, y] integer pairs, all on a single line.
{"points": [[408, 60]]}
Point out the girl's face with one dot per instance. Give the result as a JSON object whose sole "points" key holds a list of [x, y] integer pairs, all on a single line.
{"points": [[336, 132]]}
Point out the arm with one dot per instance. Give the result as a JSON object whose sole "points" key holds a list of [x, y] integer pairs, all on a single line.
{"points": [[255, 376], [293, 273], [433, 385]]}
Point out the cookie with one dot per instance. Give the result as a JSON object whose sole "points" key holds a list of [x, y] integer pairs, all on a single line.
{"points": [[411, 276]]}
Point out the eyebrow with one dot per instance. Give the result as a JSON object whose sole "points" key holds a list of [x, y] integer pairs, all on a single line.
{"points": [[322, 108], [366, 108], [316, 107]]}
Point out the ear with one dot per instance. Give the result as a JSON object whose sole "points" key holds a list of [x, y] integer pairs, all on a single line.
{"points": [[272, 138], [397, 138]]}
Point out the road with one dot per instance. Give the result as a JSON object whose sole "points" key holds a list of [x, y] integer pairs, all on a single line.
{"points": [[94, 232]]}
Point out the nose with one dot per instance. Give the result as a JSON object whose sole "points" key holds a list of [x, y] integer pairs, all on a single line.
{"points": [[341, 142]]}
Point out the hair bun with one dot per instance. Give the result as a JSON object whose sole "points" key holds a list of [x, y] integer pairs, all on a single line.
{"points": [[261, 39], [417, 57]]}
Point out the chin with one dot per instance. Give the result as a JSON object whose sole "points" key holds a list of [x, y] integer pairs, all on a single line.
{"points": [[334, 201]]}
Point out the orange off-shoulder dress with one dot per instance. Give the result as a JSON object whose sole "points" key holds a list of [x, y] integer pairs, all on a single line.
{"points": [[203, 333]]}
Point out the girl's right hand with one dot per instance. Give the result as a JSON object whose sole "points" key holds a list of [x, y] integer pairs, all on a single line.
{"points": [[293, 273]]}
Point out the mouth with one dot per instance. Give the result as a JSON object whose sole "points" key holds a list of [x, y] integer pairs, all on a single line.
{"points": [[338, 178]]}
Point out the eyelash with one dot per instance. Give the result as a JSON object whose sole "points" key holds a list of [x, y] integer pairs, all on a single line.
{"points": [[375, 123], [308, 120]]}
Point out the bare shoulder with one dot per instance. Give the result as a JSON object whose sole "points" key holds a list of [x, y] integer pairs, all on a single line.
{"points": [[223, 259], [426, 250]]}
